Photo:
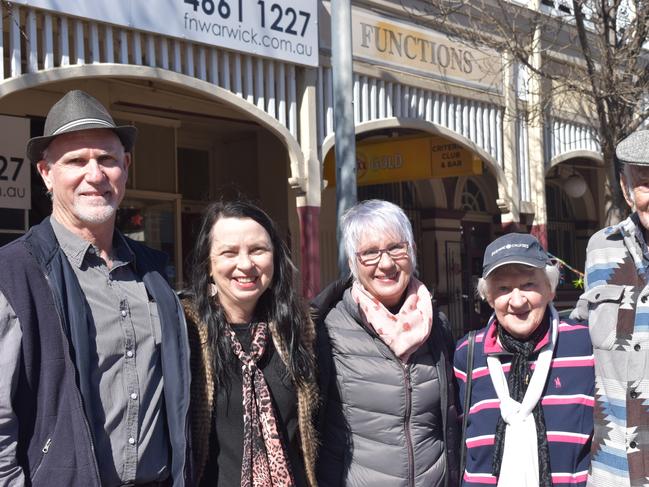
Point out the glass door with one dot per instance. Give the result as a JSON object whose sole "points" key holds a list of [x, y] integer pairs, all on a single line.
{"points": [[153, 220]]}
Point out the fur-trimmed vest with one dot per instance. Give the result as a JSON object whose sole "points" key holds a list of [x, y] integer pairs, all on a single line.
{"points": [[203, 394]]}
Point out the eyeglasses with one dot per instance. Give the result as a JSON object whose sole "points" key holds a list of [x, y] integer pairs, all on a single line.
{"points": [[373, 256]]}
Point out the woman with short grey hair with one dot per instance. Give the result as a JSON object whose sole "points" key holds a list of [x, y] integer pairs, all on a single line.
{"points": [[388, 416]]}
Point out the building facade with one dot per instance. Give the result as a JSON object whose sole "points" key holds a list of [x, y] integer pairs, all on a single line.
{"points": [[441, 128]]}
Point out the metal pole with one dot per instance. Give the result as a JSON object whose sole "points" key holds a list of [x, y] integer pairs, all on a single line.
{"points": [[345, 137]]}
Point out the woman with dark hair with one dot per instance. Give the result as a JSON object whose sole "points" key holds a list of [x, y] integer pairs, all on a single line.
{"points": [[254, 381]]}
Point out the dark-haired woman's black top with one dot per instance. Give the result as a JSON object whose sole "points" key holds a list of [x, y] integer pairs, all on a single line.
{"points": [[223, 467]]}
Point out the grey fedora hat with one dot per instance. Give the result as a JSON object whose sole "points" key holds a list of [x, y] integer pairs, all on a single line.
{"points": [[77, 110], [634, 149]]}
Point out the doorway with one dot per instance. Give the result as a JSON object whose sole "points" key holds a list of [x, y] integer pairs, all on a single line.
{"points": [[475, 238]]}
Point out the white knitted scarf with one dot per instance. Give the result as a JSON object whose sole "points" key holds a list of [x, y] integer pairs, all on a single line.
{"points": [[520, 463]]}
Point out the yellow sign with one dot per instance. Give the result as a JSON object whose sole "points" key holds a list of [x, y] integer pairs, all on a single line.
{"points": [[407, 159]]}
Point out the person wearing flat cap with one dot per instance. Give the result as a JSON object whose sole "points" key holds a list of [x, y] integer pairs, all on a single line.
{"points": [[94, 387], [616, 304], [526, 380]]}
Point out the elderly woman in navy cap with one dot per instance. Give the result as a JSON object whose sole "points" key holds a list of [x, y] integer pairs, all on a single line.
{"points": [[526, 379]]}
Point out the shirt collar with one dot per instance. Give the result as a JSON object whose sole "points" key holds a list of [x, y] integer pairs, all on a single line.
{"points": [[490, 341], [76, 248], [631, 230], [629, 227]]}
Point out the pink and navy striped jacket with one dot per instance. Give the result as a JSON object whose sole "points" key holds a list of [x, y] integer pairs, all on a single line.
{"points": [[567, 403]]}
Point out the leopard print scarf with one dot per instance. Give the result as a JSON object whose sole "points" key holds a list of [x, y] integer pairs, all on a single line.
{"points": [[265, 462]]}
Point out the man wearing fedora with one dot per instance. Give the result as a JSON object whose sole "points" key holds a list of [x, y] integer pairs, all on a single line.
{"points": [[94, 386], [616, 305]]}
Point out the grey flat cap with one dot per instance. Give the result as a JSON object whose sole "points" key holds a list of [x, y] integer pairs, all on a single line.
{"points": [[77, 110], [634, 149]]}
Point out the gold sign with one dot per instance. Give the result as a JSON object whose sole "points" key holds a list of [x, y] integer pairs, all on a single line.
{"points": [[407, 159], [409, 47]]}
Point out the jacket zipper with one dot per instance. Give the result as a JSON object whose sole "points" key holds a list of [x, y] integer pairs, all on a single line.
{"points": [[406, 424], [405, 369], [85, 420], [46, 447]]}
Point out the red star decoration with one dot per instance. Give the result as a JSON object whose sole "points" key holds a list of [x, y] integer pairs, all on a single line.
{"points": [[137, 220]]}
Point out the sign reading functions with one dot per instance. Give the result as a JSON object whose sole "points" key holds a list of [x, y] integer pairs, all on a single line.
{"points": [[409, 47], [407, 159], [15, 174], [280, 29]]}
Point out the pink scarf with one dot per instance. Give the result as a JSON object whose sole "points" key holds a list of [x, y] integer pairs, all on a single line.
{"points": [[409, 328]]}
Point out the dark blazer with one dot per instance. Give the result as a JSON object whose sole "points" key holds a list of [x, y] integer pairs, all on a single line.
{"points": [[41, 287]]}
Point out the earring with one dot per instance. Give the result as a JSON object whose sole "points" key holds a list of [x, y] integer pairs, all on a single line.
{"points": [[213, 290]]}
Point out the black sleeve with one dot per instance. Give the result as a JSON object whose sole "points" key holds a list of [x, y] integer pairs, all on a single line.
{"points": [[328, 298], [452, 437], [330, 466], [324, 302]]}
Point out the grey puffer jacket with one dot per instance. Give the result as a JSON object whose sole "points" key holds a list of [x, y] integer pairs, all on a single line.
{"points": [[383, 423]]}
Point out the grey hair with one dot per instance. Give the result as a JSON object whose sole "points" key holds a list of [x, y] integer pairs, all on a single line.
{"points": [[45, 155], [375, 217], [552, 273]]}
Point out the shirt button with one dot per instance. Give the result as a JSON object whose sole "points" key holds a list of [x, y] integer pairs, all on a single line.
{"points": [[633, 394], [633, 444], [123, 313], [131, 441], [133, 395], [129, 353], [637, 347]]}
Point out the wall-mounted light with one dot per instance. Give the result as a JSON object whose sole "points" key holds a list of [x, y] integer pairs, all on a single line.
{"points": [[574, 185]]}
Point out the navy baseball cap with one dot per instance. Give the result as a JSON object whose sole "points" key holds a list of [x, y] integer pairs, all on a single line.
{"points": [[514, 248]]}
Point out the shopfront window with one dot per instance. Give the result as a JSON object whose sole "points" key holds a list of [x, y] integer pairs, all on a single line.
{"points": [[194, 174], [12, 224], [476, 234], [152, 222], [472, 199], [561, 227]]}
